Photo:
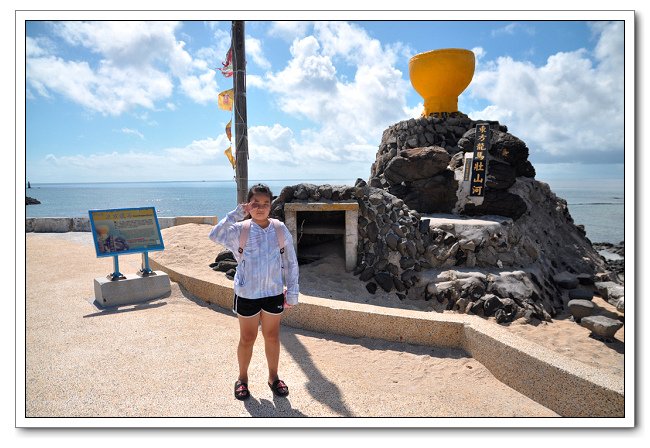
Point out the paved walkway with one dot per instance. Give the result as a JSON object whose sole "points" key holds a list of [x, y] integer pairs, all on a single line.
{"points": [[176, 357]]}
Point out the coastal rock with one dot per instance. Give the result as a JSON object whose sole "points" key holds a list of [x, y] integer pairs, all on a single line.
{"points": [[602, 326], [417, 163], [500, 175], [384, 280], [224, 255], [224, 266], [31, 201], [620, 305], [581, 294], [566, 280], [371, 287], [498, 202], [585, 279], [580, 308], [490, 304], [610, 291]]}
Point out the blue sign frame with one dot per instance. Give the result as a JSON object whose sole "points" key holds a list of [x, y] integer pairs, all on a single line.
{"points": [[119, 228]]}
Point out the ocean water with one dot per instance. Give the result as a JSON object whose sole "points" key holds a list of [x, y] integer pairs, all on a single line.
{"points": [[598, 205], [192, 198]]}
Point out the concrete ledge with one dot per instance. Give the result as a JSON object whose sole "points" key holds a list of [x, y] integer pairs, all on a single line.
{"points": [[82, 224], [52, 225], [567, 387], [561, 384]]}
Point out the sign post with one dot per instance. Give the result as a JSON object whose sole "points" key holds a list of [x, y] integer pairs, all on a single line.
{"points": [[145, 270], [116, 275], [124, 231]]}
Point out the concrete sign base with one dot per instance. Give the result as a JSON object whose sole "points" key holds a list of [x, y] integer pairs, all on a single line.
{"points": [[132, 289]]}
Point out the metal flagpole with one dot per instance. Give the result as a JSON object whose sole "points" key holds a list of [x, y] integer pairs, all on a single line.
{"points": [[241, 128]]}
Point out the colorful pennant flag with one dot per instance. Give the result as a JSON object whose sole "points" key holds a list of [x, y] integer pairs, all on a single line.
{"points": [[228, 153], [229, 130], [226, 70], [226, 99]]}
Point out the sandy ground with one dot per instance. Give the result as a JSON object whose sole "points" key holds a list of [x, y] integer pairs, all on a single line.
{"points": [[326, 278], [175, 356]]}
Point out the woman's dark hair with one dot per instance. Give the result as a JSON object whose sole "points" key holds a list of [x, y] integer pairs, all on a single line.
{"points": [[259, 189]]}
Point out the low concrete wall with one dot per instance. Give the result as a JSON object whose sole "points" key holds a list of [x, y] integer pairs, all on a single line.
{"points": [[568, 387], [82, 224]]}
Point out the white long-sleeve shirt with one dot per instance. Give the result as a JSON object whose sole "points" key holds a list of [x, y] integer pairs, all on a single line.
{"points": [[259, 273]]}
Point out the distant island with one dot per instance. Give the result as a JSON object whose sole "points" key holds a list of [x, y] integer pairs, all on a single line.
{"points": [[31, 201]]}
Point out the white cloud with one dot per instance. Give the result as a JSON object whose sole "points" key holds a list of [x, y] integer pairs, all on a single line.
{"points": [[512, 29], [37, 47], [125, 43], [289, 30], [349, 115], [198, 158], [569, 109], [133, 132], [254, 50], [255, 81], [414, 112], [202, 88], [479, 53], [136, 64]]}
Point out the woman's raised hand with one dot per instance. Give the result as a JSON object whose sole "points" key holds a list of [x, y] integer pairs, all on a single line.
{"points": [[247, 207]]}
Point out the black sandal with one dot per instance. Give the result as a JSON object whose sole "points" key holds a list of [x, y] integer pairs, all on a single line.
{"points": [[241, 390], [279, 388]]}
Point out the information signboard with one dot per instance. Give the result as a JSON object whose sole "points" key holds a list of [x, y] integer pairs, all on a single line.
{"points": [[125, 230]]}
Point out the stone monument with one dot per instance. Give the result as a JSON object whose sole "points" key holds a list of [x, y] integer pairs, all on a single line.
{"points": [[509, 249]]}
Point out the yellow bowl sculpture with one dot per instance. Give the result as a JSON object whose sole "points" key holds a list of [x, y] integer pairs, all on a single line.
{"points": [[440, 76]]}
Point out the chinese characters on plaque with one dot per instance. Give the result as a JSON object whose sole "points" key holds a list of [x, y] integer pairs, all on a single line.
{"points": [[479, 161]]}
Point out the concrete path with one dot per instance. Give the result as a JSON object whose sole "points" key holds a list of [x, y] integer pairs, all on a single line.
{"points": [[176, 357]]}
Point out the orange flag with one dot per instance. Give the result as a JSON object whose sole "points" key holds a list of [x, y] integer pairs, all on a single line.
{"points": [[226, 99], [228, 153], [229, 130]]}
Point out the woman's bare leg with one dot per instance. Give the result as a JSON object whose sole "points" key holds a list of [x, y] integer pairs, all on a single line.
{"points": [[271, 333], [248, 328]]}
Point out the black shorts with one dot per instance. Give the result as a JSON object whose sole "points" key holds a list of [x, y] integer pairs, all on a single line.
{"points": [[252, 307]]}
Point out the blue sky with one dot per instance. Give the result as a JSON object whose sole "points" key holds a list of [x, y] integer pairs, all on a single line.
{"points": [[137, 101]]}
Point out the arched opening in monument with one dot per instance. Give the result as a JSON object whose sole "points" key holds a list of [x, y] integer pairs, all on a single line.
{"points": [[320, 234]]}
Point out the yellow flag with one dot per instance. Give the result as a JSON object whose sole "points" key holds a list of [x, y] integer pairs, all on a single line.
{"points": [[229, 130], [226, 99], [228, 153]]}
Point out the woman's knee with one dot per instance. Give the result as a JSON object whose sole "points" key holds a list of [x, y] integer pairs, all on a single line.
{"points": [[272, 336], [247, 337], [271, 333], [248, 331]]}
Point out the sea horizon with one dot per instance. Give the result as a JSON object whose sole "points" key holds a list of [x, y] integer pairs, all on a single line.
{"points": [[598, 204]]}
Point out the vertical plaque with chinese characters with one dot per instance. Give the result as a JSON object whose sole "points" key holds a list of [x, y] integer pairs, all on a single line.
{"points": [[479, 161]]}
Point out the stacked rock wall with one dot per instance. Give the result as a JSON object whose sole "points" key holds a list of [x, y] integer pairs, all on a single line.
{"points": [[391, 236], [419, 161], [509, 264]]}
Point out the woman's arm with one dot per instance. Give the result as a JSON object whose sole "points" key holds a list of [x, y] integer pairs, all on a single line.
{"points": [[291, 268], [226, 232]]}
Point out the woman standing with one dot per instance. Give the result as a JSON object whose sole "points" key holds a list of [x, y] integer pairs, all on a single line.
{"points": [[266, 263]]}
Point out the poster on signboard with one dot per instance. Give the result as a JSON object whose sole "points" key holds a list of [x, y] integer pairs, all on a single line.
{"points": [[125, 230]]}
